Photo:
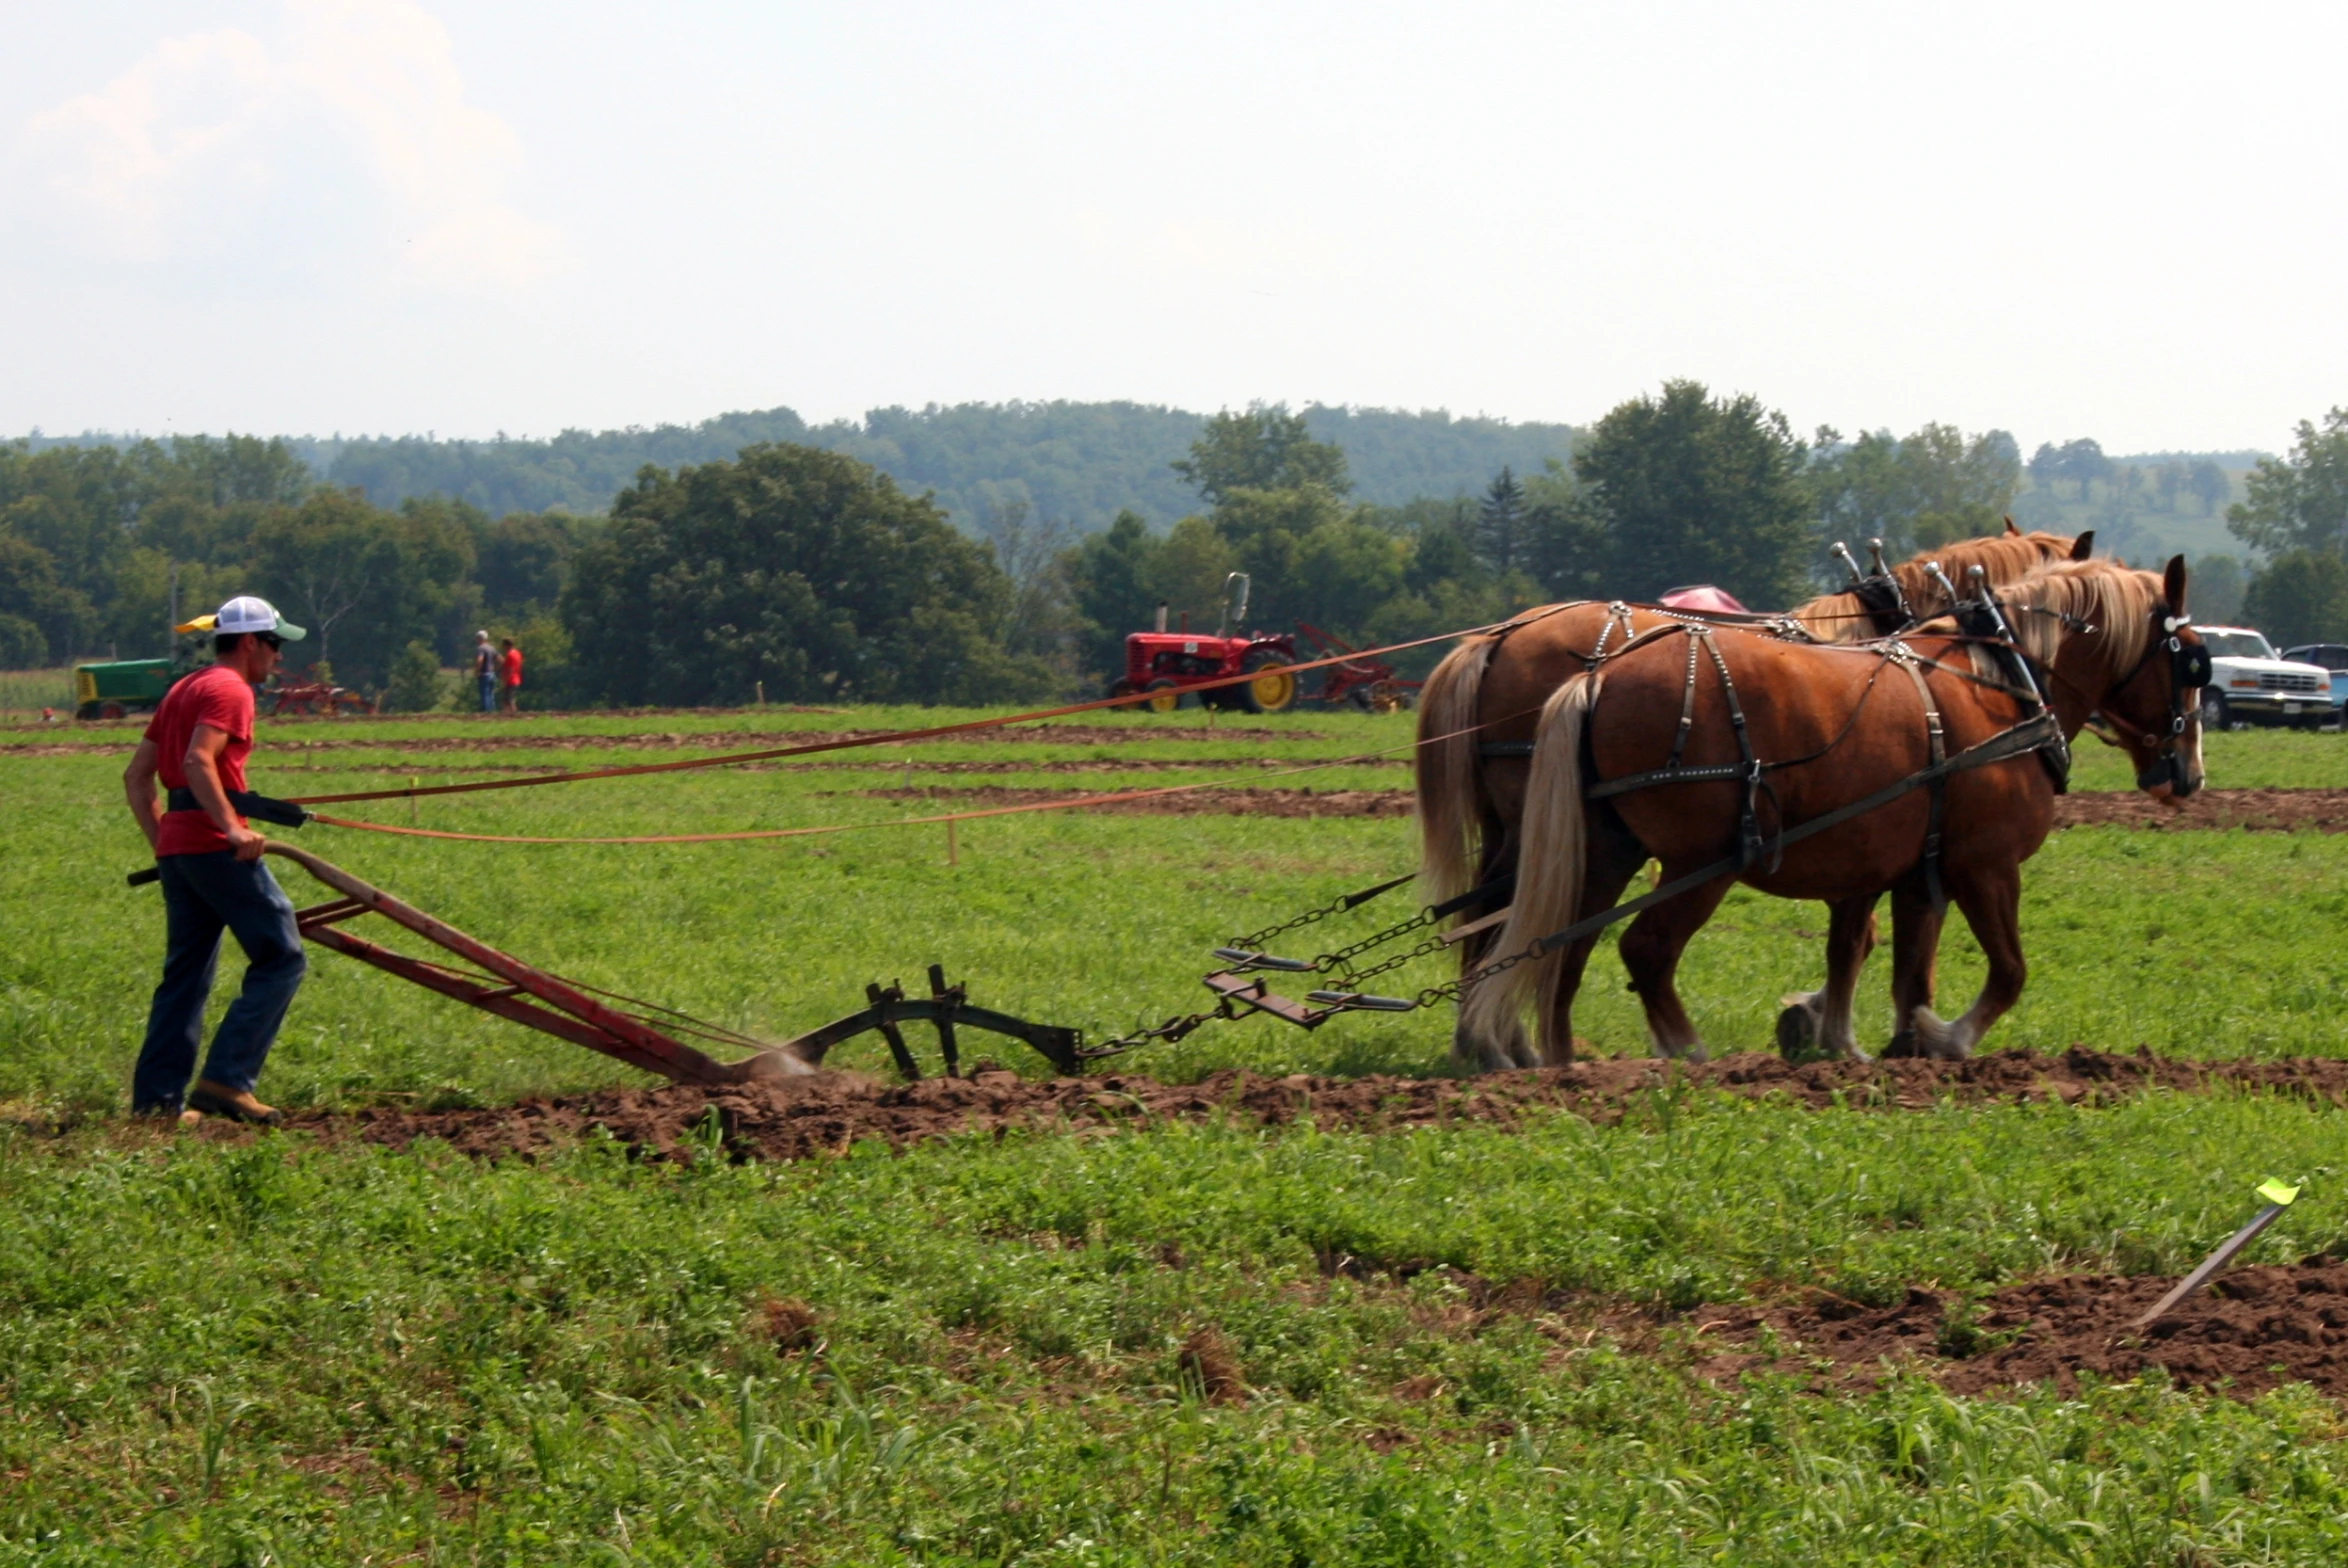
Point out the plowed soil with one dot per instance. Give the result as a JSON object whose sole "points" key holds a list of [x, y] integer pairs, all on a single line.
{"points": [[2269, 810], [824, 1114], [2244, 1333]]}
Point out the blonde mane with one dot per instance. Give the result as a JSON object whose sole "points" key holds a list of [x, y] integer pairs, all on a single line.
{"points": [[2005, 558], [2117, 600]]}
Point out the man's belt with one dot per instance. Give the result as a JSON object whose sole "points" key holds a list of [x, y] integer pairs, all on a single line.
{"points": [[282, 812], [267, 808]]}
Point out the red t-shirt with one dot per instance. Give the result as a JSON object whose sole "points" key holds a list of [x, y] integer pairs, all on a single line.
{"points": [[513, 666], [219, 697]]}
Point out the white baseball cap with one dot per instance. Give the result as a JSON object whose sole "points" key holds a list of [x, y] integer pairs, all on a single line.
{"points": [[255, 615]]}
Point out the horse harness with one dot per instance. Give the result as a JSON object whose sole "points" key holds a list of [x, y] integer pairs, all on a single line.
{"points": [[2038, 732]]}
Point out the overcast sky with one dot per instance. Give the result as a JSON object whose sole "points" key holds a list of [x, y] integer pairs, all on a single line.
{"points": [[463, 216]]}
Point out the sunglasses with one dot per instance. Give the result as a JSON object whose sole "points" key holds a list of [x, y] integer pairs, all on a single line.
{"points": [[270, 640]]}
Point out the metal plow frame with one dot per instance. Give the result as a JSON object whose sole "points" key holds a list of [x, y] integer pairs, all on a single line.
{"points": [[552, 1005]]}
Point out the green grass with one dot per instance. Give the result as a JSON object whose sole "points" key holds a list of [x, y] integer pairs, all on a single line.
{"points": [[2201, 944], [291, 1353], [25, 693], [418, 1358]]}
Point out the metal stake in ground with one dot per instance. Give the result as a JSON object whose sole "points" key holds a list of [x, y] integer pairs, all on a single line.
{"points": [[2278, 1198]]}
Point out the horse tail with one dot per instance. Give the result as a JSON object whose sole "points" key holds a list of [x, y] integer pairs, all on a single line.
{"points": [[1450, 819], [1551, 866]]}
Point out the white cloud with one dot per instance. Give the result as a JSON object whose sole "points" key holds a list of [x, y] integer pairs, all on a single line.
{"points": [[348, 133]]}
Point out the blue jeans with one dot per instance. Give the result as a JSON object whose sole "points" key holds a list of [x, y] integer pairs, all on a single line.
{"points": [[488, 694], [203, 896]]}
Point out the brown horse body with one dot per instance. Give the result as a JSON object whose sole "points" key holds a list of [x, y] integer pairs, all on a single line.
{"points": [[1486, 696], [1838, 724]]}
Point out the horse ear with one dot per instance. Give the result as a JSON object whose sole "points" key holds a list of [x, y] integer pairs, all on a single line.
{"points": [[2083, 546], [2173, 585], [2011, 531]]}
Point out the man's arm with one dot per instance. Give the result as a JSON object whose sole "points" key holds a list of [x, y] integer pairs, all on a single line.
{"points": [[203, 770], [138, 784]]}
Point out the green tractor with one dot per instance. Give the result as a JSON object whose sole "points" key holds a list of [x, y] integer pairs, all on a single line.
{"points": [[118, 688], [124, 686]]}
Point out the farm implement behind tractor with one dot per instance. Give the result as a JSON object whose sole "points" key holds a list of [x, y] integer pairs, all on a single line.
{"points": [[1171, 664]]}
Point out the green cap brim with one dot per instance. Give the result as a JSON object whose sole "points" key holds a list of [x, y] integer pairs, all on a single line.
{"points": [[287, 631]]}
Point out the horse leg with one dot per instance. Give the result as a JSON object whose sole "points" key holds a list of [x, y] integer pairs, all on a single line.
{"points": [[1915, 961], [1651, 949], [1614, 859], [1822, 1018], [1992, 902]]}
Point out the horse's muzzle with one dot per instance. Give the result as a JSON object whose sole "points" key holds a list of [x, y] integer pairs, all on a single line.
{"points": [[2168, 776]]}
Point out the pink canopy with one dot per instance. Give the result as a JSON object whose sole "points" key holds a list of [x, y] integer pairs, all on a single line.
{"points": [[1704, 599]]}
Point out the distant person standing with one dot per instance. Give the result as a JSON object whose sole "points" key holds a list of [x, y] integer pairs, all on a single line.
{"points": [[213, 879], [485, 671], [513, 676]]}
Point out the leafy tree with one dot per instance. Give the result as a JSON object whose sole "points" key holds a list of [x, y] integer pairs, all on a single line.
{"points": [[1692, 488], [2217, 588], [1569, 550], [2209, 485], [1929, 489], [1264, 448], [339, 565], [798, 568], [416, 685], [1504, 523], [2301, 596], [1112, 583], [2299, 502]]}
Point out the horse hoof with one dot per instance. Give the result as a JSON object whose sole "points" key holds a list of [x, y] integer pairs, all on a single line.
{"points": [[1797, 1033]]}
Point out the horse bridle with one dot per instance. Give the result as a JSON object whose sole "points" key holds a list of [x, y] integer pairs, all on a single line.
{"points": [[2189, 671]]}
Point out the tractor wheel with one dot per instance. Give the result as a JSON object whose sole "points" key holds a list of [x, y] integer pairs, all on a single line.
{"points": [[1165, 696], [112, 710], [1274, 688]]}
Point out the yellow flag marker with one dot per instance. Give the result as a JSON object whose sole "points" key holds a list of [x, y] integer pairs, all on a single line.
{"points": [[2278, 1198]]}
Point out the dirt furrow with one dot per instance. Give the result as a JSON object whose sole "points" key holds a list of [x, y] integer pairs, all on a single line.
{"points": [[827, 1113]]}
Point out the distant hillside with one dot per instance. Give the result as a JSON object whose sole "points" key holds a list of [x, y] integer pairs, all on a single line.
{"points": [[2134, 514], [1078, 463]]}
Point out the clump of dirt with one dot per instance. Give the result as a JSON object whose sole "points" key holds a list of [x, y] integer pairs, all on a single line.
{"points": [[790, 1325], [1207, 1361], [827, 1113], [1235, 801], [2264, 810], [2244, 1333]]}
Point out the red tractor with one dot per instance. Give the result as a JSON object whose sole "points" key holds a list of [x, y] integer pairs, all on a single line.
{"points": [[1169, 664]]}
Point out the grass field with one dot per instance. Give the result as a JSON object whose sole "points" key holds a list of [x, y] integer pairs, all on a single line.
{"points": [[1123, 1349]]}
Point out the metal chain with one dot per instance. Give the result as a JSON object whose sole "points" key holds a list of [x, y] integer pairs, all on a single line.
{"points": [[1254, 941], [1331, 962], [1172, 1030], [1352, 979]]}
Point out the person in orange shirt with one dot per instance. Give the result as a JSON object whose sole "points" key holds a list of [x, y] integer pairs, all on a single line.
{"points": [[213, 880], [512, 660]]}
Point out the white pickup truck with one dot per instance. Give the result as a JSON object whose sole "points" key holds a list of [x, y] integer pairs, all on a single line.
{"points": [[2250, 684]]}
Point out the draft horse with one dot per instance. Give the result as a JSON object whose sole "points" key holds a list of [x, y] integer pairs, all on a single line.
{"points": [[1478, 710], [1708, 750]]}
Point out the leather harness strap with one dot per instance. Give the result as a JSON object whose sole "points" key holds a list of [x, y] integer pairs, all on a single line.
{"points": [[1905, 657]]}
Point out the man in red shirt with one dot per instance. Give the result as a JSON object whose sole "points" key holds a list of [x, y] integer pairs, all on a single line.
{"points": [[213, 879], [512, 659]]}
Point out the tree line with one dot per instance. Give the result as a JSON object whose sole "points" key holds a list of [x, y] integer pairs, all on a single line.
{"points": [[811, 574]]}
